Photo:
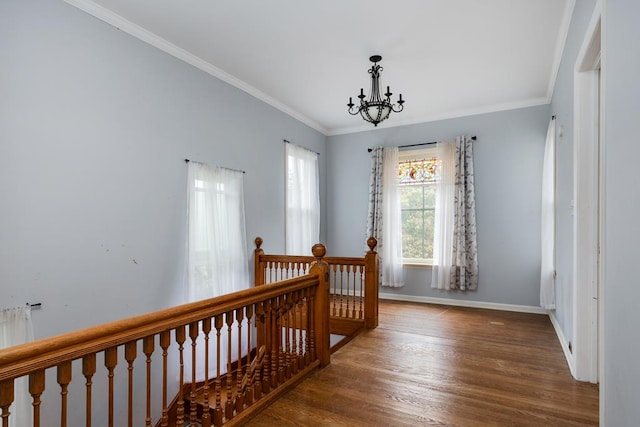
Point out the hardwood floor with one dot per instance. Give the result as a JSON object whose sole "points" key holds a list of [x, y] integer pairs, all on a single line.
{"points": [[439, 365]]}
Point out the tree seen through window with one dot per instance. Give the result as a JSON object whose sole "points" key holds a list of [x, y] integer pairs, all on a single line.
{"points": [[417, 174]]}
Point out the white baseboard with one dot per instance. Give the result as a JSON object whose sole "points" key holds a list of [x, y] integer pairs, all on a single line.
{"points": [[465, 303], [564, 343]]}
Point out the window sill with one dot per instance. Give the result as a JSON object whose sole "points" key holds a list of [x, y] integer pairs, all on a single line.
{"points": [[417, 265]]}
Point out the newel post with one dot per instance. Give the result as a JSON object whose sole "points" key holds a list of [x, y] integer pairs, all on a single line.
{"points": [[321, 304], [258, 271], [371, 282]]}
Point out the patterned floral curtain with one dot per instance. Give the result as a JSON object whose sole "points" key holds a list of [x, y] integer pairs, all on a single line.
{"points": [[384, 219], [455, 247]]}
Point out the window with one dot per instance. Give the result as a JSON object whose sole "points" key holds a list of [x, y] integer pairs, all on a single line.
{"points": [[217, 260], [302, 220], [418, 172]]}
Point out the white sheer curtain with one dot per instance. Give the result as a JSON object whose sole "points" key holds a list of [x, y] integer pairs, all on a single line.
{"points": [[217, 242], [385, 217], [217, 261], [15, 329], [455, 245], [302, 208], [547, 220], [443, 221]]}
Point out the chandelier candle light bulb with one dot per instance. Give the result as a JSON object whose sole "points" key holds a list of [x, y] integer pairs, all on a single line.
{"points": [[376, 109]]}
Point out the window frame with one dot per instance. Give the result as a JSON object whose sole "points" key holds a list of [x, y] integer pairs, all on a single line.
{"points": [[408, 155]]}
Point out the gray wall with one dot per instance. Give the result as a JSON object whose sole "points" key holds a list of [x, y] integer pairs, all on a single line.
{"points": [[508, 166], [94, 127], [562, 107], [621, 69]]}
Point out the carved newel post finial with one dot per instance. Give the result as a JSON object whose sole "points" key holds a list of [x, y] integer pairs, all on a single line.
{"points": [[258, 242], [319, 251], [372, 243]]}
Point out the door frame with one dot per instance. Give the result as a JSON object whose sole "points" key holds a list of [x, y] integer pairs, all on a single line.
{"points": [[588, 232]]}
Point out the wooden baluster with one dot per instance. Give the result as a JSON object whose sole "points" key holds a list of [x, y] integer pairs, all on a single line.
{"points": [[239, 400], [279, 314], [148, 344], [275, 340], [217, 414], [266, 377], [258, 265], [180, 339], [228, 407], [352, 273], [260, 343], [110, 361], [276, 270], [334, 304], [248, 396], [36, 388], [348, 295], [64, 378], [311, 336], [130, 354], [272, 268], [295, 326], [165, 342], [341, 268], [6, 399], [88, 370], [206, 416], [371, 285], [360, 294], [301, 328], [260, 326], [193, 334], [287, 341]]}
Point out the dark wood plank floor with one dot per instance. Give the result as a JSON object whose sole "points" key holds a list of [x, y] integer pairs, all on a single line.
{"points": [[438, 365]]}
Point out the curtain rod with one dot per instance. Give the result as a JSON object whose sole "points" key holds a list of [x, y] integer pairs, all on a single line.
{"points": [[289, 142], [231, 169], [417, 145]]}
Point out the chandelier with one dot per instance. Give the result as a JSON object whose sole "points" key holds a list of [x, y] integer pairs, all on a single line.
{"points": [[376, 109]]}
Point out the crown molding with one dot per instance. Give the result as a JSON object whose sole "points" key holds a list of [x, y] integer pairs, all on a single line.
{"points": [[154, 40], [561, 42], [533, 102]]}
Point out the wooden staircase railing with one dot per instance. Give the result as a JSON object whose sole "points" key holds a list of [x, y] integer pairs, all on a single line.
{"points": [[279, 333], [353, 284]]}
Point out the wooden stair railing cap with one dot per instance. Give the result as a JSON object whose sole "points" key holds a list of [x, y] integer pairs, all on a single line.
{"points": [[372, 243], [319, 251], [258, 242]]}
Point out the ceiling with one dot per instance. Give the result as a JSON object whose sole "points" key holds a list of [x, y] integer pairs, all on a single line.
{"points": [[448, 58]]}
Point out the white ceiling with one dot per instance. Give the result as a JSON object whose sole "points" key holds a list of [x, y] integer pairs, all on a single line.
{"points": [[448, 58]]}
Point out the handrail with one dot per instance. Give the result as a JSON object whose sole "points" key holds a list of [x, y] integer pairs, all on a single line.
{"points": [[280, 333], [49, 352], [361, 275]]}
